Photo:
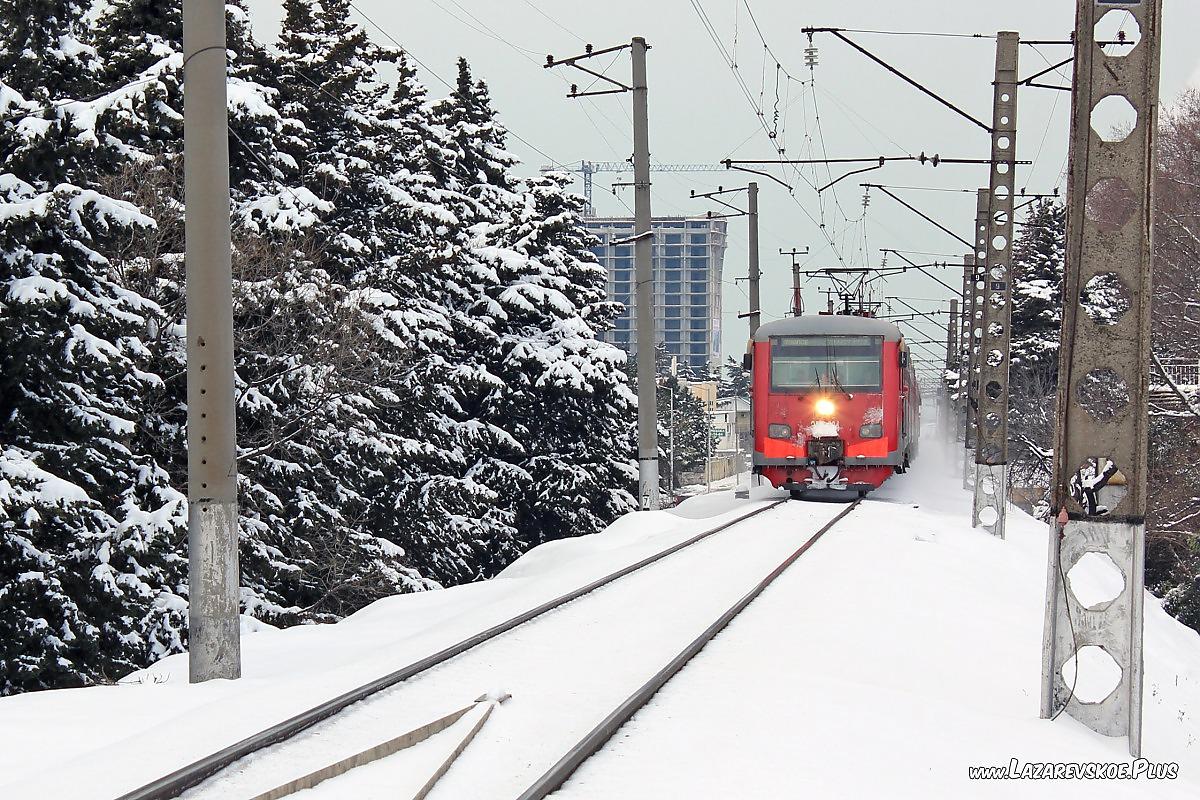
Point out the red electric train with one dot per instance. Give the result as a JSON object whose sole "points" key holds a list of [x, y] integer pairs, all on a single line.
{"points": [[835, 403]]}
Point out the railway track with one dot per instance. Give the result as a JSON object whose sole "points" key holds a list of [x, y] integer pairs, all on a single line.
{"points": [[192, 775], [553, 779]]}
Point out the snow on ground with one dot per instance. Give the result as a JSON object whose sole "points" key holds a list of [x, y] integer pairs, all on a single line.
{"points": [[901, 649], [564, 672], [117, 738]]}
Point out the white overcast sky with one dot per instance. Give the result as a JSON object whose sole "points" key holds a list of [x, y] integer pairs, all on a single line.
{"points": [[700, 115]]}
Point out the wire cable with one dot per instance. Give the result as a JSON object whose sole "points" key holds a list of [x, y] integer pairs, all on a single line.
{"points": [[446, 83], [556, 22], [1071, 623], [1050, 116], [732, 65]]}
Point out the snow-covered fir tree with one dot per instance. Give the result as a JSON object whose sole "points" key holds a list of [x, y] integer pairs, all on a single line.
{"points": [[90, 527], [1039, 252], [143, 40], [735, 379], [550, 307], [426, 496], [421, 390]]}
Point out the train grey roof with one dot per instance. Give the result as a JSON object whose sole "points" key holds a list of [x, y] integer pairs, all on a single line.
{"points": [[829, 325]]}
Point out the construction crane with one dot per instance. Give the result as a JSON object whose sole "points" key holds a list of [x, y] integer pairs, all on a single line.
{"points": [[589, 168]]}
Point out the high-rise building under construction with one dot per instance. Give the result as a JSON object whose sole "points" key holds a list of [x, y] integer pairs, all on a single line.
{"points": [[688, 253]]}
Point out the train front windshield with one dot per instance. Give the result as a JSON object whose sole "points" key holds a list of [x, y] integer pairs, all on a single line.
{"points": [[806, 363]]}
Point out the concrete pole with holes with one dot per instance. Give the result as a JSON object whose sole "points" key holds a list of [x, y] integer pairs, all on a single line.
{"points": [[1101, 436], [949, 420], [978, 268], [644, 299], [213, 633], [964, 344], [991, 451]]}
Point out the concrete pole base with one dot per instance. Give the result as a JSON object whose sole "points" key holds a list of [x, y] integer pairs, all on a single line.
{"points": [[214, 626], [991, 498], [1111, 629], [648, 484]]}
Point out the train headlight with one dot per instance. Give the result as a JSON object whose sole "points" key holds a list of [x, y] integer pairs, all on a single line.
{"points": [[873, 431], [779, 430], [825, 407]]}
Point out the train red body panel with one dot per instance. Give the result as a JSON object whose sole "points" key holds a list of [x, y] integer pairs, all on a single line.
{"points": [[835, 404]]}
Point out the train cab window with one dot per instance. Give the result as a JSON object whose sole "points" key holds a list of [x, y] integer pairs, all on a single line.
{"points": [[804, 363]]}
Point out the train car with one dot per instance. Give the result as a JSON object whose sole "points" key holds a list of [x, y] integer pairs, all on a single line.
{"points": [[835, 404]]}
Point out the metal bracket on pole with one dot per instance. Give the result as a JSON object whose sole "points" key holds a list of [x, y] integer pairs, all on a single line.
{"points": [[1101, 439], [991, 451]]}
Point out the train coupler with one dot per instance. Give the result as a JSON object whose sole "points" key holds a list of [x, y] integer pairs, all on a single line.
{"points": [[826, 451]]}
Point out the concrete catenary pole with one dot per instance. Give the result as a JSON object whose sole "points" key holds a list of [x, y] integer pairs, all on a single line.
{"points": [[952, 336], [671, 433], [214, 643], [797, 296], [1101, 437], [978, 270], [644, 302], [948, 419], [991, 451], [755, 291], [964, 342], [752, 220]]}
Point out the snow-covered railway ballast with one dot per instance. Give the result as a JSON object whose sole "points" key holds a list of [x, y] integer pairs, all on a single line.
{"points": [[836, 405]]}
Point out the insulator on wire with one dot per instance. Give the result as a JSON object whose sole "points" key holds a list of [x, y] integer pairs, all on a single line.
{"points": [[810, 56]]}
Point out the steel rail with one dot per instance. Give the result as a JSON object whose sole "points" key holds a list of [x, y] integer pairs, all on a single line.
{"points": [[175, 783], [557, 775]]}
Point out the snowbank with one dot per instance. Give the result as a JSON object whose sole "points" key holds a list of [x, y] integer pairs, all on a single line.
{"points": [[119, 737], [903, 649]]}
